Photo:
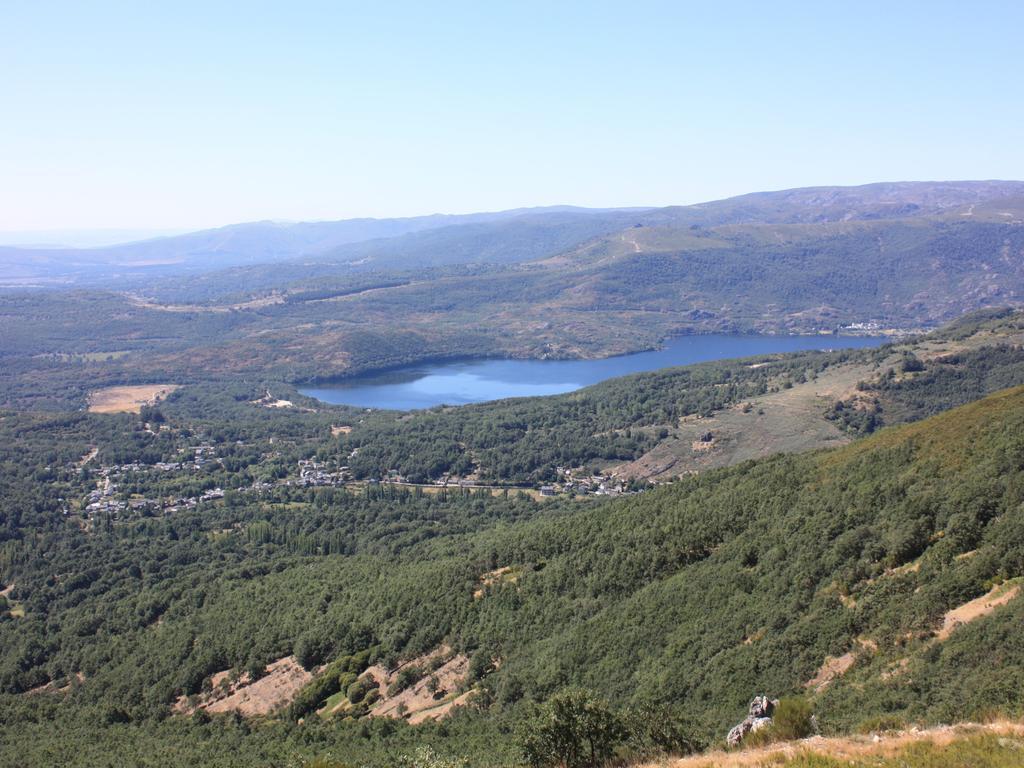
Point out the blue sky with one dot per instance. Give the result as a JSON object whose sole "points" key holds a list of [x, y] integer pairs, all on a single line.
{"points": [[191, 114]]}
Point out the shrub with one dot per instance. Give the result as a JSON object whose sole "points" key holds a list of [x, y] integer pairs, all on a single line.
{"points": [[323, 762], [791, 720], [911, 363], [425, 757], [657, 730], [357, 691], [881, 723], [572, 730], [345, 679]]}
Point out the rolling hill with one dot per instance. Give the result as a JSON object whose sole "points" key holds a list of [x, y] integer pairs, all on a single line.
{"points": [[256, 242], [881, 258], [878, 580]]}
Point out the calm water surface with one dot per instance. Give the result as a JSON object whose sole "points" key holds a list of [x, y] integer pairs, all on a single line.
{"points": [[457, 383]]}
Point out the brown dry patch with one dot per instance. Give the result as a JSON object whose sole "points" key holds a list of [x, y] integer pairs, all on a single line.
{"points": [[502, 575], [284, 679], [52, 687], [999, 595], [88, 457], [754, 637], [841, 747], [128, 399], [833, 667], [417, 703], [790, 420], [867, 644], [14, 610], [900, 570], [648, 466], [441, 710], [342, 429]]}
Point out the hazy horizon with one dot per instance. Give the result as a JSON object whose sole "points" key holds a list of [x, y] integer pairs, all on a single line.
{"points": [[106, 236], [139, 118]]}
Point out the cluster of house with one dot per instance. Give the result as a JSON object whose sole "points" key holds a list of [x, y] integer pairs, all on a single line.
{"points": [[598, 485], [863, 327], [102, 499], [313, 472], [202, 456], [105, 499]]}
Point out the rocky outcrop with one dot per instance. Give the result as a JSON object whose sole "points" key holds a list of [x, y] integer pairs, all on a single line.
{"points": [[759, 716]]}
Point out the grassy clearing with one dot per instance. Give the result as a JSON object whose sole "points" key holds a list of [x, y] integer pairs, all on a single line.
{"points": [[128, 399], [332, 703]]}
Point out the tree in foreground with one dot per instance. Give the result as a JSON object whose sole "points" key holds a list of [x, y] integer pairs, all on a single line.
{"points": [[572, 730]]}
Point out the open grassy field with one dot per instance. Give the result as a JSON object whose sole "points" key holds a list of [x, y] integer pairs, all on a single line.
{"points": [[128, 399], [789, 420]]}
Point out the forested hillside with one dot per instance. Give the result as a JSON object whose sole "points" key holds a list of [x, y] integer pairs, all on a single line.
{"points": [[562, 284], [154, 565]]}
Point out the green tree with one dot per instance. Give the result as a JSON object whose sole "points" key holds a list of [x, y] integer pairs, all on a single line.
{"points": [[572, 730]]}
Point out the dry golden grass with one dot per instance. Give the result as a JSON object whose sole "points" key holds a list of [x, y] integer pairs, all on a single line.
{"points": [[128, 399], [876, 749], [283, 680], [975, 609]]}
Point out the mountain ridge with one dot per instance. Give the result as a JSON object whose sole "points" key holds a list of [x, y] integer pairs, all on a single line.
{"points": [[268, 241]]}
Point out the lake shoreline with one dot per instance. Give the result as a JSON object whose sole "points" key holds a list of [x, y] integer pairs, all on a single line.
{"points": [[464, 380], [371, 372]]}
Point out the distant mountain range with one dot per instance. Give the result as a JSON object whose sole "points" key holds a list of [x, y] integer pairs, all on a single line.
{"points": [[502, 237], [299, 303], [249, 243]]}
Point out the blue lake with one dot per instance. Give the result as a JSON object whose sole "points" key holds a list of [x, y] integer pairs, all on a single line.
{"points": [[474, 381]]}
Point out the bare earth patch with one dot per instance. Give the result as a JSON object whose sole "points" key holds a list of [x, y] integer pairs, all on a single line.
{"points": [[92, 454], [16, 610], [128, 399], [418, 702], [52, 687], [284, 679], [492, 578], [269, 401], [832, 668], [975, 609]]}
